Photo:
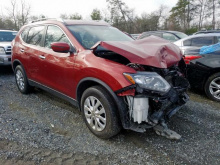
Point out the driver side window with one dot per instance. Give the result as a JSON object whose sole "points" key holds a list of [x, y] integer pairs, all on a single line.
{"points": [[54, 34]]}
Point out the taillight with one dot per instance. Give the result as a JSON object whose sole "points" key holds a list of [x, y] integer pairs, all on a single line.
{"points": [[188, 58]]}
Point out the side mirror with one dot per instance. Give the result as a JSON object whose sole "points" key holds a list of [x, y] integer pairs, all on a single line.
{"points": [[61, 47]]}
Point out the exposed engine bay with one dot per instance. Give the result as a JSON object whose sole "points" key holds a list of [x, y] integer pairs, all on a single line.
{"points": [[157, 92]]}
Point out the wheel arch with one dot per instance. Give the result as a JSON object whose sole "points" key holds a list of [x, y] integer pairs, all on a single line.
{"points": [[16, 63], [119, 102], [212, 72], [89, 82]]}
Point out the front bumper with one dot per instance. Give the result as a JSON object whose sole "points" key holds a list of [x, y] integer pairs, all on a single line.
{"points": [[159, 107], [5, 59]]}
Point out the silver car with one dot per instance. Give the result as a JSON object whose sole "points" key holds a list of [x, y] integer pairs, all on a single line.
{"points": [[197, 41], [6, 36]]}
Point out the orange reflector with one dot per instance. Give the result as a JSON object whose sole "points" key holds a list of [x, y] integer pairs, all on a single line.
{"points": [[129, 78]]}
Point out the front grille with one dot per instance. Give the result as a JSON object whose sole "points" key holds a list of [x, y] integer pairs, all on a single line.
{"points": [[8, 50]]}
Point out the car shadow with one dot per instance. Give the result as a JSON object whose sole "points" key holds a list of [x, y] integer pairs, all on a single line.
{"points": [[6, 70]]}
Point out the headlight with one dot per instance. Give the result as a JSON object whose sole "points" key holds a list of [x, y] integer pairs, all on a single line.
{"points": [[2, 51], [149, 80]]}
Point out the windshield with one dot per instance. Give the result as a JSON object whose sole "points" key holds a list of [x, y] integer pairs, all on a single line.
{"points": [[7, 36], [181, 35], [89, 35]]}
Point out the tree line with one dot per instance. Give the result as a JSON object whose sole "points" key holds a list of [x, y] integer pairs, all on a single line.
{"points": [[187, 16]]}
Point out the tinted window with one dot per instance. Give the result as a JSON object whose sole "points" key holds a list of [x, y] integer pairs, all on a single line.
{"points": [[24, 34], [170, 37], [202, 41], [35, 35], [55, 34], [187, 42], [7, 36]]}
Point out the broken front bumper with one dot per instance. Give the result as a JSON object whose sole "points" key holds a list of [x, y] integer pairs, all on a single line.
{"points": [[146, 109]]}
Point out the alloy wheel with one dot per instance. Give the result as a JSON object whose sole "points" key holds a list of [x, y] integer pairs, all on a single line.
{"points": [[20, 79], [214, 87], [95, 113]]}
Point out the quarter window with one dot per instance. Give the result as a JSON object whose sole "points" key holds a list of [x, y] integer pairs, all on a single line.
{"points": [[55, 34], [35, 35]]}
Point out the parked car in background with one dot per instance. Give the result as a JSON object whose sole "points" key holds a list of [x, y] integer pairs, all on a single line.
{"points": [[6, 36], [135, 36], [117, 82], [167, 35], [206, 32], [197, 41], [203, 72]]}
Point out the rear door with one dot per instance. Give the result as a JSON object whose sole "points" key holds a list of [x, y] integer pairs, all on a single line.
{"points": [[33, 51]]}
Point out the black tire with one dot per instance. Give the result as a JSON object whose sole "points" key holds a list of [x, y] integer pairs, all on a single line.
{"points": [[21, 80], [99, 94], [210, 89]]}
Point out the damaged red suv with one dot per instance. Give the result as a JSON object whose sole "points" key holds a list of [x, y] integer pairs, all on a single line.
{"points": [[116, 82]]}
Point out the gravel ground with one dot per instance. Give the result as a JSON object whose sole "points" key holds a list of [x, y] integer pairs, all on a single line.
{"points": [[41, 129]]}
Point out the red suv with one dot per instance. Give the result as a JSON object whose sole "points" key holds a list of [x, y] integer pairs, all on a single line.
{"points": [[115, 81]]}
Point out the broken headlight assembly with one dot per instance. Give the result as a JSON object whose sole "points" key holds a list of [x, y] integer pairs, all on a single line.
{"points": [[149, 80]]}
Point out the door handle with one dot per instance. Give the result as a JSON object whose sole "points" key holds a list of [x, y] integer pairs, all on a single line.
{"points": [[42, 57], [22, 50]]}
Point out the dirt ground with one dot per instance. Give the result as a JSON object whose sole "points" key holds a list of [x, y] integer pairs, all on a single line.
{"points": [[41, 129]]}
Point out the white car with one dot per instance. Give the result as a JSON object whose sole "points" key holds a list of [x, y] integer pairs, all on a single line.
{"points": [[197, 41], [6, 36]]}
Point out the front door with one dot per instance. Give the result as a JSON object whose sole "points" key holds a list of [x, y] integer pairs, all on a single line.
{"points": [[58, 67]]}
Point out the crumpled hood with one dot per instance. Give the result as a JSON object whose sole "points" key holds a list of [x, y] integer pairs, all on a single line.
{"points": [[152, 51]]}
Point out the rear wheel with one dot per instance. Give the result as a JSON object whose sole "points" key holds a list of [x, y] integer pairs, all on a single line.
{"points": [[99, 112], [212, 87], [21, 80]]}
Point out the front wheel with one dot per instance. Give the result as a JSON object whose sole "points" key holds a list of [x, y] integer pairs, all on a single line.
{"points": [[212, 87], [21, 80], [99, 112]]}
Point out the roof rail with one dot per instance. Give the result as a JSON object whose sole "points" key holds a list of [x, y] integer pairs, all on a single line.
{"points": [[44, 19]]}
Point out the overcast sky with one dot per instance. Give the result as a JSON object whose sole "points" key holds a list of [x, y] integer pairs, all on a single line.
{"points": [[53, 8]]}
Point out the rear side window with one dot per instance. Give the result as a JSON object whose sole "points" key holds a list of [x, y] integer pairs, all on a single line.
{"points": [[202, 41], [35, 35], [55, 34], [24, 34]]}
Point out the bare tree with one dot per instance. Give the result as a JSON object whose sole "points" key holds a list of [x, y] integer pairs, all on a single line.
{"points": [[121, 15], [24, 13], [19, 13], [12, 12], [202, 4], [213, 7]]}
